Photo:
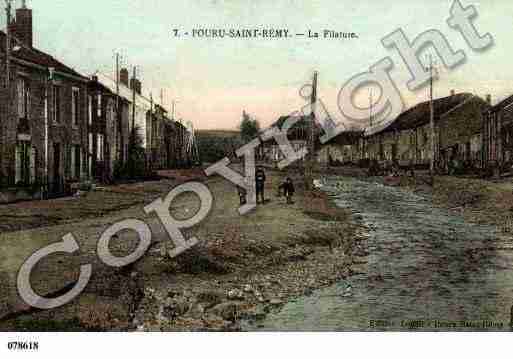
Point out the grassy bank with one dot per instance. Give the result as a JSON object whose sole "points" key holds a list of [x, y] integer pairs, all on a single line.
{"points": [[479, 201], [243, 267]]}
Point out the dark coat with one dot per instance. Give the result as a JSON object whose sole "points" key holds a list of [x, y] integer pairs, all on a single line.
{"points": [[288, 188], [260, 178]]}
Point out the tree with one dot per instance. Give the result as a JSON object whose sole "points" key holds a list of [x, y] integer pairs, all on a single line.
{"points": [[248, 128], [135, 166]]}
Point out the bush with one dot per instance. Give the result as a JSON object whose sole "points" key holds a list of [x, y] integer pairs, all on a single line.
{"points": [[135, 167]]}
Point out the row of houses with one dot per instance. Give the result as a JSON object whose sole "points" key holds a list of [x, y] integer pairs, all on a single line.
{"points": [[469, 135], [406, 141], [59, 126]]}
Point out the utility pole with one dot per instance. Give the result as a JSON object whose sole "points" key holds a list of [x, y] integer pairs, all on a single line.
{"points": [[8, 45], [119, 115], [151, 116], [7, 63], [133, 98], [117, 81], [431, 117], [371, 103], [311, 136]]}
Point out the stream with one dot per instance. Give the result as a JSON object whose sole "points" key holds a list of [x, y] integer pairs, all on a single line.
{"points": [[426, 270]]}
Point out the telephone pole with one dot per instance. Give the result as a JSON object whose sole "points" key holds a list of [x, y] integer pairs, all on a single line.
{"points": [[370, 108], [118, 114], [310, 156], [133, 98], [8, 44], [174, 107], [117, 81], [431, 117]]}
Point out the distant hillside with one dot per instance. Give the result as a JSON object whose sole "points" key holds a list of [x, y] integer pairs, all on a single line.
{"points": [[214, 145]]}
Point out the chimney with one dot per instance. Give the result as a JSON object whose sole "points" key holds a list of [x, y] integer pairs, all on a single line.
{"points": [[22, 27], [489, 99], [138, 87], [453, 92], [123, 76], [136, 84]]}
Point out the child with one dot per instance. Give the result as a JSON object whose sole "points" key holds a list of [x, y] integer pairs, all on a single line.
{"points": [[242, 195], [288, 189]]}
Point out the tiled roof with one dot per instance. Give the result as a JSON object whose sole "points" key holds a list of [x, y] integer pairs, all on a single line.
{"points": [[125, 92], [419, 115], [35, 56], [348, 137], [501, 105]]}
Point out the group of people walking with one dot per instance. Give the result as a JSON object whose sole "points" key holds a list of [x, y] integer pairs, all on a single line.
{"points": [[286, 188]]}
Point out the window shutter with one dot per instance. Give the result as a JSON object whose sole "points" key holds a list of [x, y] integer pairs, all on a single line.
{"points": [[32, 164], [73, 107], [27, 93], [28, 103], [72, 153], [98, 147], [78, 159], [99, 105], [20, 97], [90, 110], [17, 164]]}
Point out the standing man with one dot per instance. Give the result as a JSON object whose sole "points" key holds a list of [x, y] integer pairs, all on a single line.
{"points": [[260, 183]]}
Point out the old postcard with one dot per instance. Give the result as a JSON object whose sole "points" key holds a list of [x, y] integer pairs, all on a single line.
{"points": [[255, 166]]}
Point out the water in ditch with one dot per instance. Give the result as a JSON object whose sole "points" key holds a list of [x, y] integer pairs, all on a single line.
{"points": [[427, 269]]}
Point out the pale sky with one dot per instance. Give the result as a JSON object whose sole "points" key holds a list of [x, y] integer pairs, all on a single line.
{"points": [[213, 80]]}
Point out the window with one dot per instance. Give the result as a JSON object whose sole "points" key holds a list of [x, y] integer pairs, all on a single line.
{"points": [[99, 105], [75, 108], [90, 110], [25, 159], [23, 97], [99, 149], [56, 105], [90, 156], [75, 162]]}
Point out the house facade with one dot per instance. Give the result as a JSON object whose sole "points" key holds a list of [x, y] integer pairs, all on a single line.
{"points": [[163, 138], [343, 149], [108, 130], [407, 140], [43, 134], [497, 137]]}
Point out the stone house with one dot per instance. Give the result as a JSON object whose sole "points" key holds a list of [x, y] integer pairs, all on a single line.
{"points": [[297, 135], [163, 138], [108, 130], [342, 149], [497, 136], [43, 109], [139, 106], [180, 155], [407, 140], [460, 133]]}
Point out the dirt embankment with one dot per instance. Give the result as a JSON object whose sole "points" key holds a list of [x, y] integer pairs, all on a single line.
{"points": [[479, 201], [243, 267]]}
